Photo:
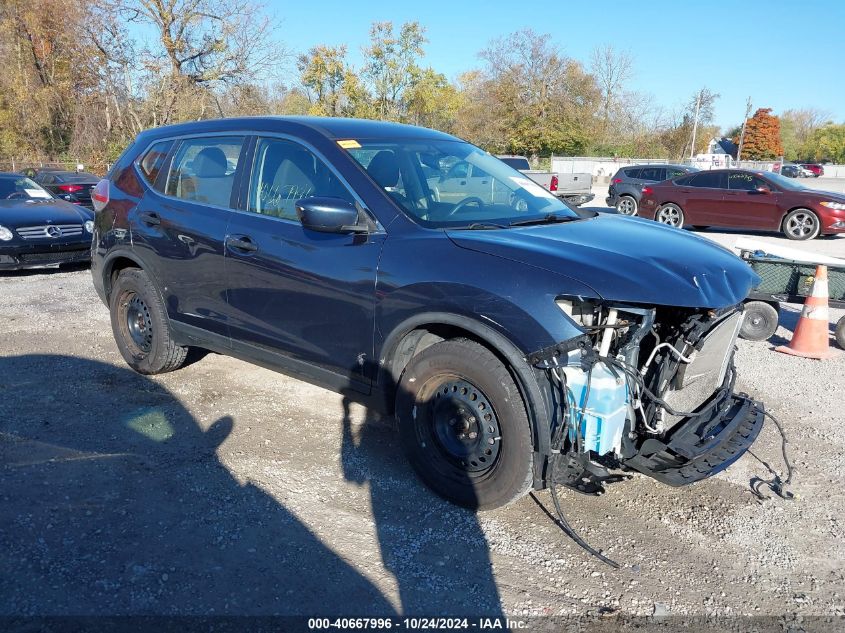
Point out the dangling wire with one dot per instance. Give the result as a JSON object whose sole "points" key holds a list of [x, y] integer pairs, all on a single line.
{"points": [[556, 456], [775, 484]]}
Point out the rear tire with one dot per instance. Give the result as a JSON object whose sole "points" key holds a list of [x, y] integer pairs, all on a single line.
{"points": [[801, 224], [759, 322], [627, 205], [670, 214], [463, 425], [840, 333], [140, 325]]}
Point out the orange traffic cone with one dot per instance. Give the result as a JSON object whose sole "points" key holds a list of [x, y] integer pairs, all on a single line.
{"points": [[811, 338]]}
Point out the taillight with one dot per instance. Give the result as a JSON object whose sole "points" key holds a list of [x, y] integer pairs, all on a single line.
{"points": [[100, 195], [647, 191], [70, 188], [553, 183]]}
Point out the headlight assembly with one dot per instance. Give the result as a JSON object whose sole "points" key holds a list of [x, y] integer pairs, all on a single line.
{"points": [[5, 234], [89, 226], [838, 206]]}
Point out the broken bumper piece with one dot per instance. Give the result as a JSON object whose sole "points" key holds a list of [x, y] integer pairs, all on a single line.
{"points": [[702, 446]]}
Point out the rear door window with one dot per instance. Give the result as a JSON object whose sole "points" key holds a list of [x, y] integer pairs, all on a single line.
{"points": [[674, 172], [745, 182], [653, 173], [708, 179], [285, 172], [204, 170]]}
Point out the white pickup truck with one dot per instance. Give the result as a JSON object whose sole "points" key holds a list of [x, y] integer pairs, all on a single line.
{"points": [[575, 189]]}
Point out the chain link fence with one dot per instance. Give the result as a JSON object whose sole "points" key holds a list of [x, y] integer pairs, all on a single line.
{"points": [[18, 165]]}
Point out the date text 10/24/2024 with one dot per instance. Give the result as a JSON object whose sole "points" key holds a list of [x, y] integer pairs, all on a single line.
{"points": [[415, 623]]}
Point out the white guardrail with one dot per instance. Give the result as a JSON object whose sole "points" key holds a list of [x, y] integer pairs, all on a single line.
{"points": [[602, 166]]}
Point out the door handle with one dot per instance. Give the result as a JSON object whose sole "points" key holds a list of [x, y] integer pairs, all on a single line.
{"points": [[150, 219], [463, 182], [242, 244]]}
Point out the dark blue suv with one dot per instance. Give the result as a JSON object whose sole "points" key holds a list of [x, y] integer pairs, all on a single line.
{"points": [[518, 342]]}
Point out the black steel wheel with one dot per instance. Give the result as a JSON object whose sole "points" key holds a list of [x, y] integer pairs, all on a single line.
{"points": [[759, 322], [140, 325], [464, 426]]}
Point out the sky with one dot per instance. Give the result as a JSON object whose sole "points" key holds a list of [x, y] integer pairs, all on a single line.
{"points": [[783, 54]]}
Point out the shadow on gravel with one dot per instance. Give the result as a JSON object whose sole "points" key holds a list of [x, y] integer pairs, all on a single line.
{"points": [[113, 501], [436, 551]]}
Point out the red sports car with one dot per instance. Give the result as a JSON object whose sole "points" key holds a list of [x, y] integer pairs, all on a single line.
{"points": [[740, 198]]}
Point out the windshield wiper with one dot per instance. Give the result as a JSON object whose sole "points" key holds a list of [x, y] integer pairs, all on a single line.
{"points": [[482, 226], [551, 218]]}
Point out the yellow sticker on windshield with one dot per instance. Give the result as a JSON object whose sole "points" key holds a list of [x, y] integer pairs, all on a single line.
{"points": [[349, 144]]}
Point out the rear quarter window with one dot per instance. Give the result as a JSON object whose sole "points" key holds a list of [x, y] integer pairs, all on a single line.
{"points": [[152, 161], [633, 172]]}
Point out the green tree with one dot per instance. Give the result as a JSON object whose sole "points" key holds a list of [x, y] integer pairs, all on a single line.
{"points": [[434, 102], [537, 102], [333, 87], [828, 143], [392, 66], [796, 128]]}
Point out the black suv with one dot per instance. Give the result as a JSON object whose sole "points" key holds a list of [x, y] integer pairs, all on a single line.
{"points": [[626, 187], [517, 341]]}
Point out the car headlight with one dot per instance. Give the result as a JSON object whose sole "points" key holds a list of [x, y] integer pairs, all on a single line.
{"points": [[839, 206], [5, 234], [89, 226]]}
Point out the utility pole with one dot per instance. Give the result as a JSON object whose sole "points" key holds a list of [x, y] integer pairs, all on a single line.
{"points": [[695, 125], [742, 134]]}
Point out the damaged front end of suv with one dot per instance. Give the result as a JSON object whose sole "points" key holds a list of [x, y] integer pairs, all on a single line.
{"points": [[649, 389]]}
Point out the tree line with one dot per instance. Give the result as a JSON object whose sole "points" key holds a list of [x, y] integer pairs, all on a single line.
{"points": [[81, 78]]}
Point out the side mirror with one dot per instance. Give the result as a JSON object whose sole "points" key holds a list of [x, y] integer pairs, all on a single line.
{"points": [[329, 215], [763, 189]]}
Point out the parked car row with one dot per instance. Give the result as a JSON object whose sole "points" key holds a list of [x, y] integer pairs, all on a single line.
{"points": [[38, 229], [73, 186], [741, 198], [627, 184]]}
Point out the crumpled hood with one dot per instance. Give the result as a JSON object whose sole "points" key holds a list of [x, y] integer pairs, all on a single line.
{"points": [[624, 259], [15, 213]]}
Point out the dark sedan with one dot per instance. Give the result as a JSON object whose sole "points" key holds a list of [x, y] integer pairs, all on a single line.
{"points": [[72, 186], [745, 199], [38, 230]]}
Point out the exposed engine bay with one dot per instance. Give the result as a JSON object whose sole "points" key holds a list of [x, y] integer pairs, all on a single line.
{"points": [[646, 389]]}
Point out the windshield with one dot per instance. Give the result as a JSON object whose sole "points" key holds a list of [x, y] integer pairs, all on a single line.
{"points": [[454, 184], [516, 162], [21, 188], [783, 182]]}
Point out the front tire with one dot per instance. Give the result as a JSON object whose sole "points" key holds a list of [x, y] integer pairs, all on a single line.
{"points": [[840, 332], [627, 205], [670, 214], [140, 325], [463, 425], [801, 224]]}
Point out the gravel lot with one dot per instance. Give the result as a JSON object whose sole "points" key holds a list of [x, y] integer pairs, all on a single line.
{"points": [[224, 488]]}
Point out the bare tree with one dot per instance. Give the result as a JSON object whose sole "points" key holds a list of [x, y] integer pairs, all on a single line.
{"points": [[611, 69]]}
